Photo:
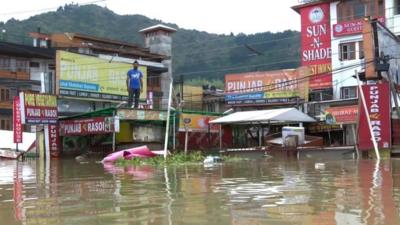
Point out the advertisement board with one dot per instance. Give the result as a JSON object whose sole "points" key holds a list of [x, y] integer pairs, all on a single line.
{"points": [[96, 125], [264, 87], [377, 98], [350, 27], [38, 108], [17, 124], [316, 52], [91, 77], [197, 123], [138, 114], [341, 114]]}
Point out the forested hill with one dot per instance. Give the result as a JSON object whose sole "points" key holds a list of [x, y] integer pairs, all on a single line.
{"points": [[195, 54]]}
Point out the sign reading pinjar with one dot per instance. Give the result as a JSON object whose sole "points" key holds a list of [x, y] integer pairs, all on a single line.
{"points": [[38, 108]]}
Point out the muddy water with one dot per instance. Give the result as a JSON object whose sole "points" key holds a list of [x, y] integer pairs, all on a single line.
{"points": [[249, 192]]}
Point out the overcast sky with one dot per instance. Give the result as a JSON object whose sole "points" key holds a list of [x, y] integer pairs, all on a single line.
{"points": [[213, 16]]}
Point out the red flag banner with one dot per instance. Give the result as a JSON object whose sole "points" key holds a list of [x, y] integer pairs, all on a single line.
{"points": [[377, 97], [17, 124]]}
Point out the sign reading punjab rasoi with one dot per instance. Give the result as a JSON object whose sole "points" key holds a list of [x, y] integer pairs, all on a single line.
{"points": [[38, 108], [91, 77]]}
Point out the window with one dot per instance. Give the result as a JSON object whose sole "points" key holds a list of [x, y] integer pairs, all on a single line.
{"points": [[347, 51], [5, 123], [348, 92], [4, 63], [22, 65], [321, 95], [397, 7], [360, 50], [358, 9], [7, 95], [34, 64], [211, 107], [4, 95]]}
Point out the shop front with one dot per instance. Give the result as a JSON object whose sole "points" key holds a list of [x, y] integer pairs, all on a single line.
{"points": [[339, 127], [112, 129]]}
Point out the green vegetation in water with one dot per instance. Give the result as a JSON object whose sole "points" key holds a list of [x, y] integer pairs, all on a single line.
{"points": [[173, 159]]}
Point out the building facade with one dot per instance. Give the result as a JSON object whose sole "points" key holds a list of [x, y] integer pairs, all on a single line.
{"points": [[91, 71], [332, 38], [22, 68]]}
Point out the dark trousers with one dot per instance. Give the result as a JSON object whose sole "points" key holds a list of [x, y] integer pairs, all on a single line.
{"points": [[134, 95]]}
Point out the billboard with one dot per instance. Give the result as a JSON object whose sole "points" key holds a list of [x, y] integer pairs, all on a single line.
{"points": [[316, 52], [91, 77], [95, 125], [377, 98], [198, 123], [341, 114], [279, 86], [38, 108]]}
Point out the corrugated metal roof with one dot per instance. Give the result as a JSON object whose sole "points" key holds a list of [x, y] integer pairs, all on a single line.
{"points": [[26, 51], [265, 116]]}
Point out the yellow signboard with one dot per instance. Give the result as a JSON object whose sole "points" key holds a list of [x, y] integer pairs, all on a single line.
{"points": [[88, 74]]}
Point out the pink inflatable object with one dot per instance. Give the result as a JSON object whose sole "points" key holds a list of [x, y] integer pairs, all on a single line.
{"points": [[141, 152]]}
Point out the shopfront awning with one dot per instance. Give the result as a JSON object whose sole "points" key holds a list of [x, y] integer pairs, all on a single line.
{"points": [[283, 115]]}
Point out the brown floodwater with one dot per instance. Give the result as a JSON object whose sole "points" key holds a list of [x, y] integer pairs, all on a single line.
{"points": [[267, 191]]}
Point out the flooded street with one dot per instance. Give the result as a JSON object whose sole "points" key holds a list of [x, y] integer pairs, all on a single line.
{"points": [[248, 192]]}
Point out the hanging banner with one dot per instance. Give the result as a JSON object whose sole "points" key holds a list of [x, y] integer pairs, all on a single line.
{"points": [[17, 125], [96, 125], [316, 52], [377, 97], [38, 108], [341, 114]]}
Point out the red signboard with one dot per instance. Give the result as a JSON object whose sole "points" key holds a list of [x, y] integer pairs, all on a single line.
{"points": [[96, 125], [17, 125], [342, 114], [54, 140], [350, 27], [38, 108], [377, 97], [316, 52]]}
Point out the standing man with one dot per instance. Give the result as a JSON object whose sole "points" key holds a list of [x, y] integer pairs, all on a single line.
{"points": [[134, 84]]}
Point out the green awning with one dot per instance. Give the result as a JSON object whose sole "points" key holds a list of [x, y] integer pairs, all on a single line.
{"points": [[98, 113]]}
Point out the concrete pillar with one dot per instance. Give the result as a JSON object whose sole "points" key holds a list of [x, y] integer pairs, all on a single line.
{"points": [[158, 39]]}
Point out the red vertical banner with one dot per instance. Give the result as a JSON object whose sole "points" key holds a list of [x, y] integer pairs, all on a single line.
{"points": [[17, 124], [377, 97], [54, 140], [316, 52]]}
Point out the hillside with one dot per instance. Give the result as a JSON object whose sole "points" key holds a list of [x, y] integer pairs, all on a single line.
{"points": [[195, 54]]}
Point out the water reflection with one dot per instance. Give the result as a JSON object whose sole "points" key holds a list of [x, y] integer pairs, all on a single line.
{"points": [[266, 192]]}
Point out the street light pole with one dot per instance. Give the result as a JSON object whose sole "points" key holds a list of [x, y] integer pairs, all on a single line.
{"points": [[168, 118]]}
